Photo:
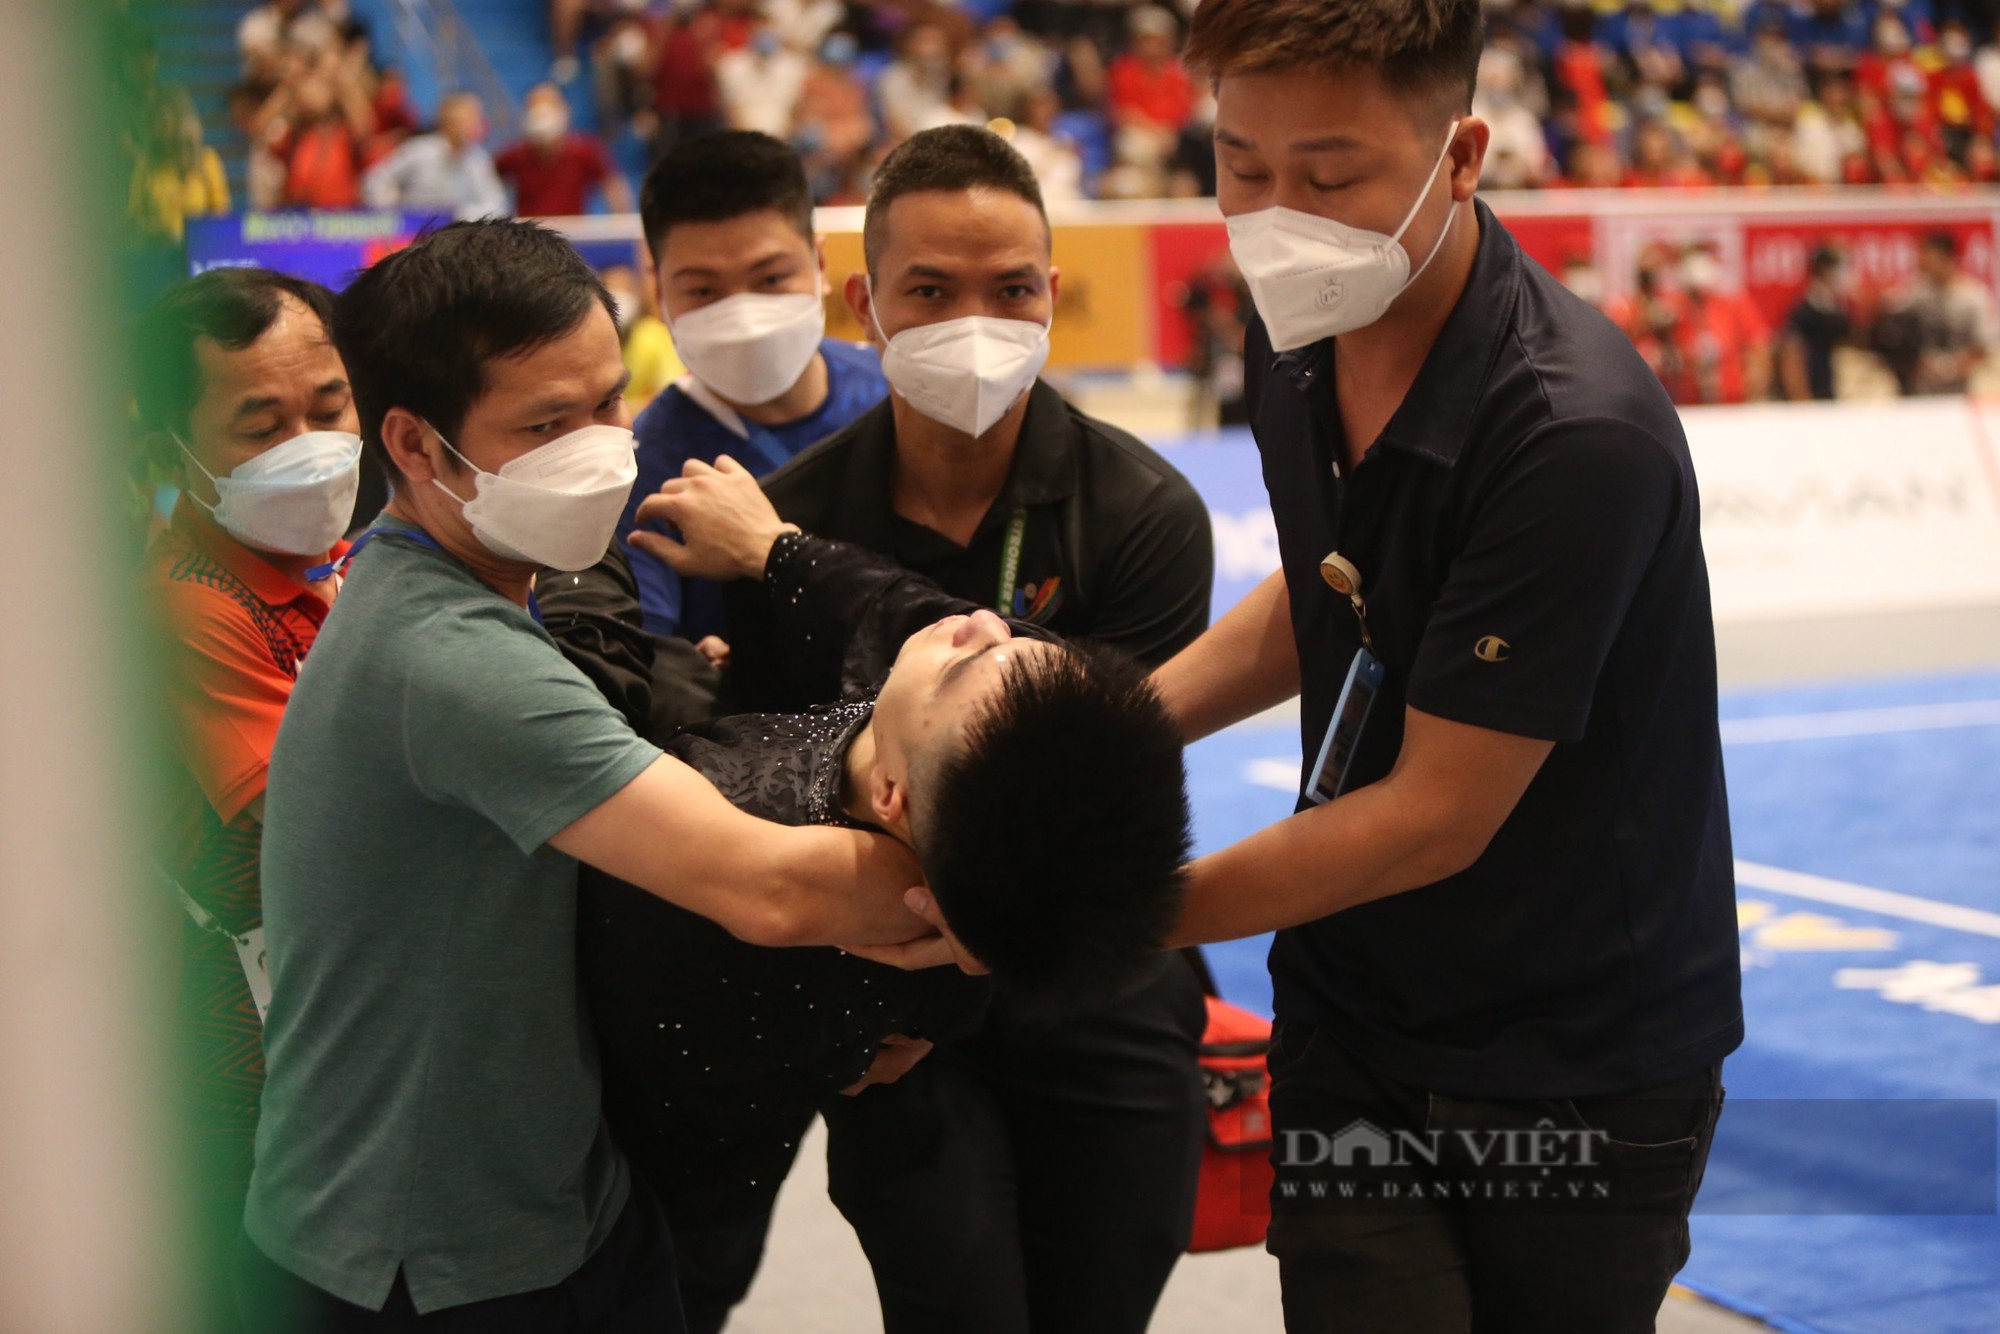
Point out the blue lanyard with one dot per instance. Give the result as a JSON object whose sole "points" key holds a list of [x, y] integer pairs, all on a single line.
{"points": [[417, 535]]}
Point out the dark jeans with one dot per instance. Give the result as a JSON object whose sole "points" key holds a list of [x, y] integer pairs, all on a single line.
{"points": [[626, 1287], [1031, 1178], [1397, 1208]]}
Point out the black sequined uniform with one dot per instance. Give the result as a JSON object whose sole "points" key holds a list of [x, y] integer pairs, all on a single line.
{"points": [[716, 1053]]}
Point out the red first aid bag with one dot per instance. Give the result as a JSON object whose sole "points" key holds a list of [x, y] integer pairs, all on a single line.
{"points": [[1233, 1206]]}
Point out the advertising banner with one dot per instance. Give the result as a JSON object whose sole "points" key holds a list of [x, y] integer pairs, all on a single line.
{"points": [[1809, 511]]}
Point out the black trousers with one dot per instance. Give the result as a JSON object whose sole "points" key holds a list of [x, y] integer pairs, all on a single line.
{"points": [[1399, 1209], [1032, 1178], [627, 1286], [715, 1156]]}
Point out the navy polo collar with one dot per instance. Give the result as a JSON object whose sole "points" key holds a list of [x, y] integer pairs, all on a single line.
{"points": [[1437, 415]]}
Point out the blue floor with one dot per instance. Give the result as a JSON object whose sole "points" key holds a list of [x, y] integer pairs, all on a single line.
{"points": [[1873, 1213]]}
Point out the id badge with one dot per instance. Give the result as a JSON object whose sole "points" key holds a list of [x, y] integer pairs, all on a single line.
{"points": [[250, 953], [1343, 733]]}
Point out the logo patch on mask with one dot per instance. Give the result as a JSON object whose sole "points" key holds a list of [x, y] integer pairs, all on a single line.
{"points": [[1037, 603], [1329, 295]]}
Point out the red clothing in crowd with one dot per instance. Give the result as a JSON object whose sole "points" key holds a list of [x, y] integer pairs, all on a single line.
{"points": [[684, 79], [394, 116], [1903, 150], [1160, 94], [1956, 99], [555, 181], [1883, 76], [1714, 337], [1642, 317], [1580, 68], [322, 166]]}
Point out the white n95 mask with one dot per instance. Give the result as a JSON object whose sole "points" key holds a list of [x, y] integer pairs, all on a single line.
{"points": [[751, 347], [296, 497], [1314, 278], [556, 505], [964, 373]]}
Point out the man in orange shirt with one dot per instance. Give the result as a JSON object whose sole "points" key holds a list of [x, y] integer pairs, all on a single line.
{"points": [[247, 408]]}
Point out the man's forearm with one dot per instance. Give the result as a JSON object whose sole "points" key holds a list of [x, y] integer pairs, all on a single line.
{"points": [[1365, 846], [1452, 788], [843, 887], [1246, 662], [672, 834]]}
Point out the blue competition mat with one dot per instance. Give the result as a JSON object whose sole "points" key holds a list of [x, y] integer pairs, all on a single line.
{"points": [[1867, 826]]}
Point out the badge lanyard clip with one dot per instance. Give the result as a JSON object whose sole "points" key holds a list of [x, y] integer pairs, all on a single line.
{"points": [[249, 946], [1344, 578]]}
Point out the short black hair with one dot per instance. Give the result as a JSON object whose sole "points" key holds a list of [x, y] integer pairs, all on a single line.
{"points": [[949, 158], [1432, 46], [233, 307], [418, 328], [1942, 243], [1054, 838], [720, 175]]}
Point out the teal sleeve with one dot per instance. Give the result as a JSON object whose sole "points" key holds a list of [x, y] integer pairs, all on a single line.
{"points": [[499, 723]]}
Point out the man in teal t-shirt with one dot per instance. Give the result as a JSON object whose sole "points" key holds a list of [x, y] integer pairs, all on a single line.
{"points": [[432, 1141]]}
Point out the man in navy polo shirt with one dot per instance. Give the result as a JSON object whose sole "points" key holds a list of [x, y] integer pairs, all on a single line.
{"points": [[728, 217], [1506, 964]]}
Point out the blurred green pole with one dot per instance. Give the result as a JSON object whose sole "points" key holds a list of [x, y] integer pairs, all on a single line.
{"points": [[84, 1218]]}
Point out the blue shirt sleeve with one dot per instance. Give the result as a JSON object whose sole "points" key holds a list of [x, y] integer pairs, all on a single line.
{"points": [[661, 434]]}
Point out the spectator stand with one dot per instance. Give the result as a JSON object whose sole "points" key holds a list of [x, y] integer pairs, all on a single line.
{"points": [[195, 44], [440, 53]]}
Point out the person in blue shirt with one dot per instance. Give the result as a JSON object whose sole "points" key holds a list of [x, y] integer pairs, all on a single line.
{"points": [[1830, 34], [1648, 41], [728, 220]]}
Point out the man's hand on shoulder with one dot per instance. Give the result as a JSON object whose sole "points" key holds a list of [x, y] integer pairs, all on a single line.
{"points": [[726, 522]]}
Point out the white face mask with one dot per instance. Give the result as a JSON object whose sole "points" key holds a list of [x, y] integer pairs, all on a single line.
{"points": [[556, 505], [965, 373], [752, 347], [1314, 278], [296, 497]]}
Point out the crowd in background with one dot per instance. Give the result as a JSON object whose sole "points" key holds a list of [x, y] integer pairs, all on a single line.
{"points": [[1660, 93], [1934, 333], [1675, 94]]}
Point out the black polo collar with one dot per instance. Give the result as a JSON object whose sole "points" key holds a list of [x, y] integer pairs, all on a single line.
{"points": [[1044, 470], [1437, 415]]}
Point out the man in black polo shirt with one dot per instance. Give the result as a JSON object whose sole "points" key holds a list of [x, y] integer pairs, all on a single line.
{"points": [[1033, 1177], [1506, 968]]}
